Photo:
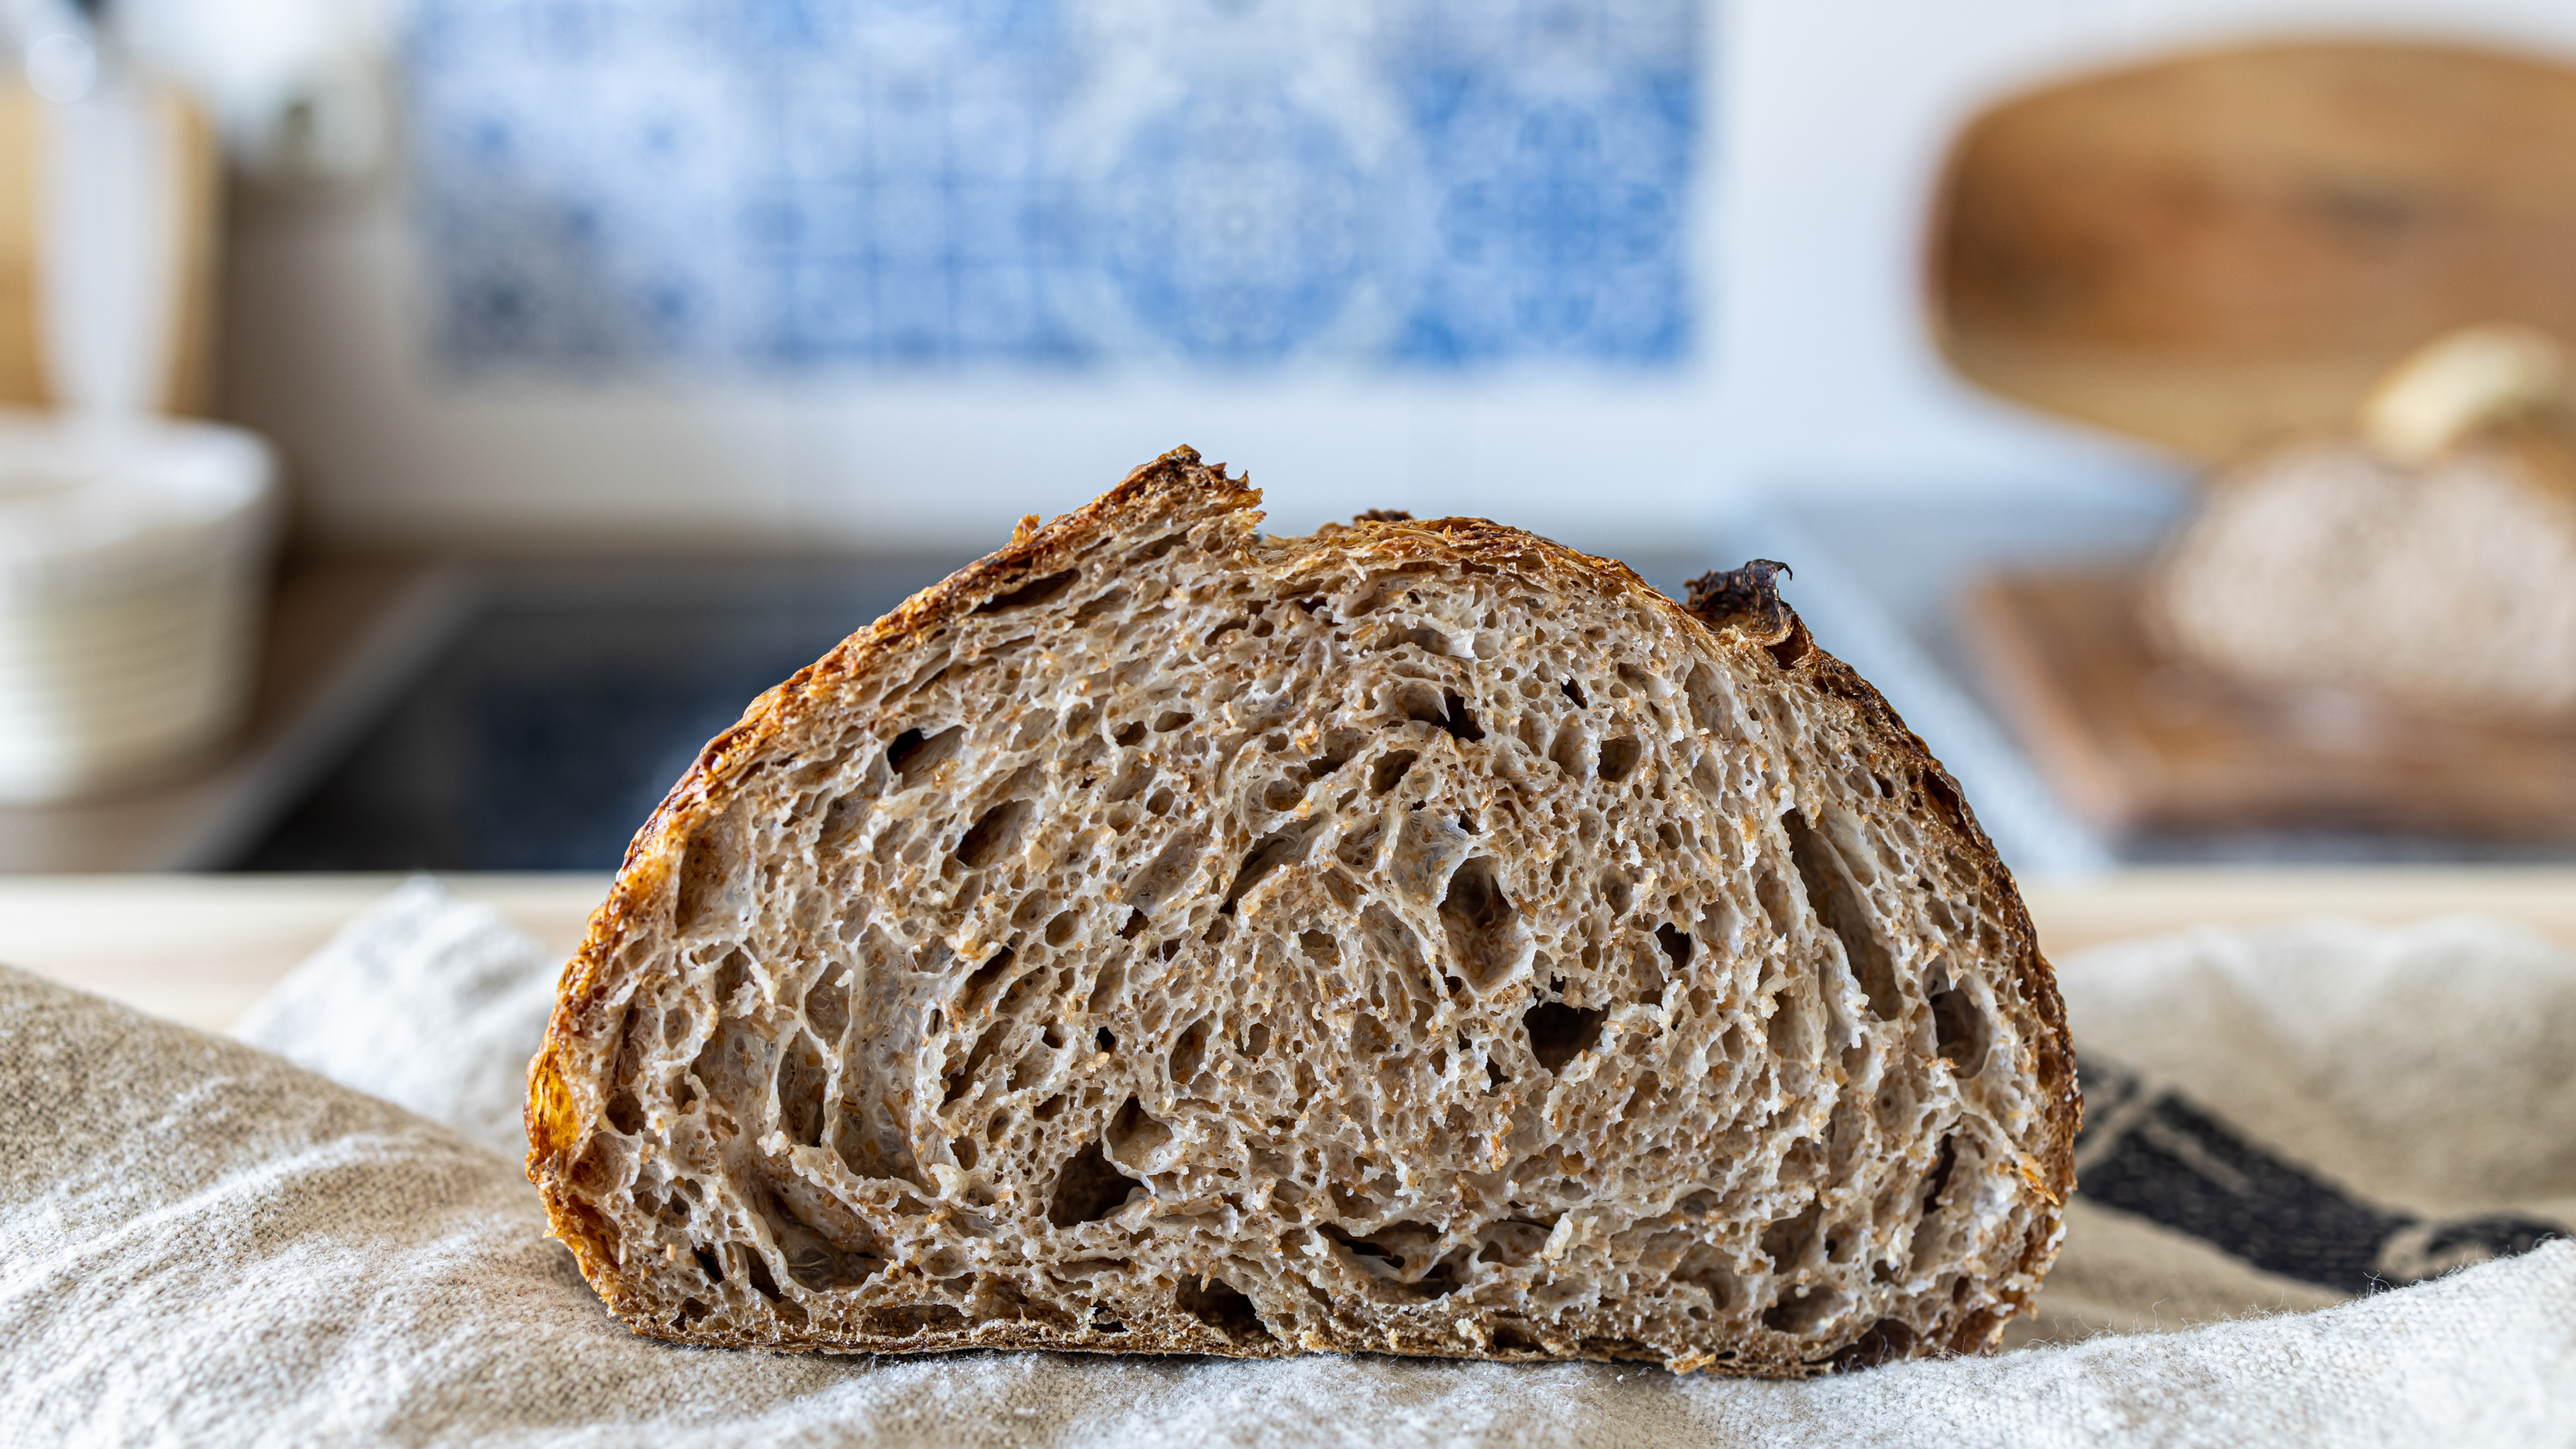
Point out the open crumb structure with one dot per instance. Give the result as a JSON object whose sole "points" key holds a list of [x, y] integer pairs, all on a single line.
{"points": [[1412, 937]]}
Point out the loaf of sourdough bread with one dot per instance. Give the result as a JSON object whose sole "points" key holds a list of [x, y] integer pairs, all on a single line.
{"points": [[2446, 585], [2429, 560], [1415, 937]]}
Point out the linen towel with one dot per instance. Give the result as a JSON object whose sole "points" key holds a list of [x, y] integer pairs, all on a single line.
{"points": [[202, 1242]]}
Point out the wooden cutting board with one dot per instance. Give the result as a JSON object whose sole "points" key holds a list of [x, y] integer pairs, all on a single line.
{"points": [[2136, 743], [2214, 250]]}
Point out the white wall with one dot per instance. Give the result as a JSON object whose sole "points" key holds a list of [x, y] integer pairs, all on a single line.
{"points": [[1829, 118]]}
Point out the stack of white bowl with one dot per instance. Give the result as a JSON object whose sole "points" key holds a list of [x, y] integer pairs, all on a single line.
{"points": [[133, 561]]}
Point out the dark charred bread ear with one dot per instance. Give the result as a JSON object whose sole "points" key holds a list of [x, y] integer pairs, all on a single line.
{"points": [[1383, 515], [1747, 599]]}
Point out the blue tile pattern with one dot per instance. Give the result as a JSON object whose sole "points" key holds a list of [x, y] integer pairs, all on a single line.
{"points": [[793, 186]]}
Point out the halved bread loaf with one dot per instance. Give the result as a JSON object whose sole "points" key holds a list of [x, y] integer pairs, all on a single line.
{"points": [[1414, 937], [2446, 585]]}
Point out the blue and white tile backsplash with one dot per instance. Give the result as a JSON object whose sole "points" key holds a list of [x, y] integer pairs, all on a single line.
{"points": [[798, 186]]}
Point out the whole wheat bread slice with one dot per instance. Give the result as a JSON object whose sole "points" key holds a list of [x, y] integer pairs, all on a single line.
{"points": [[1413, 937]]}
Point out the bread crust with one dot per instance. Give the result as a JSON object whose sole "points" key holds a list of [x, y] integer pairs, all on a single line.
{"points": [[1741, 611]]}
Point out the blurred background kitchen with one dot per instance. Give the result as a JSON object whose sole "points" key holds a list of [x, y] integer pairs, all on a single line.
{"points": [[434, 419]]}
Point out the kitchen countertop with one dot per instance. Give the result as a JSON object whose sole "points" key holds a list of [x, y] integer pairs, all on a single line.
{"points": [[199, 949]]}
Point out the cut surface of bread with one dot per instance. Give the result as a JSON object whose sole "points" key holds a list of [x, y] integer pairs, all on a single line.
{"points": [[1414, 937]]}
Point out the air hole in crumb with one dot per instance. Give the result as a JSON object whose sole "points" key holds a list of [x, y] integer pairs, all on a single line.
{"points": [[1389, 769], [802, 1078], [1478, 919], [1960, 1030], [1134, 923], [914, 755], [1339, 746], [840, 817], [963, 1078], [1558, 1032], [1937, 1181], [827, 1005], [1189, 1053], [1772, 894], [1093, 608], [709, 887], [1129, 734], [1574, 691], [995, 833], [1508, 1339], [1493, 1075], [625, 1114], [755, 1270], [1035, 591], [983, 978], [1088, 1189], [1171, 719], [710, 1264], [1104, 1321], [1886, 1341], [1223, 1307], [1369, 1038], [1841, 909], [1566, 750], [1803, 1310], [1787, 1239], [1283, 848], [1282, 794], [1359, 851], [1134, 1135], [1160, 802], [1060, 930], [1676, 944], [1511, 1242], [1459, 721], [1105, 1039], [1359, 1247], [1619, 756], [912, 1319], [1256, 1040]]}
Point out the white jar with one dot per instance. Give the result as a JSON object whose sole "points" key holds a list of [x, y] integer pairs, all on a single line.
{"points": [[133, 573]]}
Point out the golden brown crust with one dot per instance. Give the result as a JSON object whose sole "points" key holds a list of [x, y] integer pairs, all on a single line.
{"points": [[1741, 609]]}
